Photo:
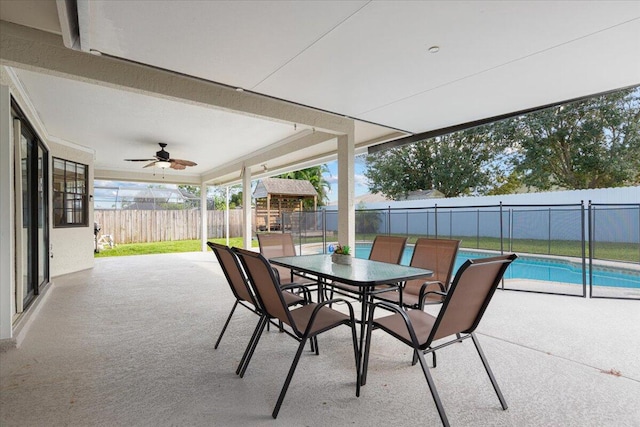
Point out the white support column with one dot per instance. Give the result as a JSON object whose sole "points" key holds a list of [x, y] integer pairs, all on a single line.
{"points": [[346, 189], [7, 255], [203, 216], [246, 206], [226, 218]]}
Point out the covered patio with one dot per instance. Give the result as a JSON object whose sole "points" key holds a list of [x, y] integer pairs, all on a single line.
{"points": [[130, 342]]}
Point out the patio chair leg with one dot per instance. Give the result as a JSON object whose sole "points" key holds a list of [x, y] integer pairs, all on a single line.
{"points": [[285, 387], [315, 344], [432, 388], [224, 328], [503, 402], [365, 363], [251, 347]]}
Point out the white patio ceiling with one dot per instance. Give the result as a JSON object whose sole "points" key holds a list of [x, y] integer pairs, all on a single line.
{"points": [[365, 60]]}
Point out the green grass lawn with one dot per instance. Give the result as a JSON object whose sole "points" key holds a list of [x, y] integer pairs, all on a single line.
{"points": [[164, 247], [608, 251]]}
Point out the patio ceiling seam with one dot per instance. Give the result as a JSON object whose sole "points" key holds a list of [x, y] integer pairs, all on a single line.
{"points": [[43, 52]]}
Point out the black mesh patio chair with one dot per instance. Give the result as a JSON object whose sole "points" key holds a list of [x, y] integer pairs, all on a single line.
{"points": [[384, 249], [281, 244], [240, 288], [306, 322], [462, 309], [437, 255]]}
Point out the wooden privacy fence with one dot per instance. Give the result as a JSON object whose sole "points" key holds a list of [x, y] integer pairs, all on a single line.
{"points": [[138, 226]]}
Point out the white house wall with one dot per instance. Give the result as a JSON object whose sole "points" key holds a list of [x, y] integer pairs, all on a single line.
{"points": [[72, 247]]}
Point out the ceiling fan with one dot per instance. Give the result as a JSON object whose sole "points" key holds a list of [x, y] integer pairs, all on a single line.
{"points": [[163, 161]]}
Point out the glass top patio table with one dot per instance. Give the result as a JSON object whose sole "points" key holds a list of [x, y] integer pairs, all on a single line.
{"points": [[361, 272]]}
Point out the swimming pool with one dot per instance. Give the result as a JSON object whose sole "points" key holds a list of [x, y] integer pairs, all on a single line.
{"points": [[537, 269]]}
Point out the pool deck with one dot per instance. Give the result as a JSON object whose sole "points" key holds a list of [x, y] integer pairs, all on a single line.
{"points": [[130, 342]]}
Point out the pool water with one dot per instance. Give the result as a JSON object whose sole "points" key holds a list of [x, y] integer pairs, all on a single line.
{"points": [[537, 269]]}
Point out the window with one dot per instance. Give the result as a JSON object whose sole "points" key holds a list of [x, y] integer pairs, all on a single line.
{"points": [[69, 194]]}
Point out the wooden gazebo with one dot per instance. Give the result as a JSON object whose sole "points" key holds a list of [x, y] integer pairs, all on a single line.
{"points": [[278, 198]]}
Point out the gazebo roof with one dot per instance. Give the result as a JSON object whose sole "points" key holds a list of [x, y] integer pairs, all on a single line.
{"points": [[284, 187]]}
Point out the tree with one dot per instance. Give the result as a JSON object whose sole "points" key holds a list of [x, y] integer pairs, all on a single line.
{"points": [[315, 176], [454, 164], [594, 143]]}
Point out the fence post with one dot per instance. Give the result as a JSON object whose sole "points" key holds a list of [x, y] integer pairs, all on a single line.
{"points": [[549, 232], [584, 266], [436, 219], [591, 237], [501, 236], [407, 224], [501, 243], [510, 230], [450, 223], [324, 231], [477, 228], [388, 219], [427, 213], [281, 222]]}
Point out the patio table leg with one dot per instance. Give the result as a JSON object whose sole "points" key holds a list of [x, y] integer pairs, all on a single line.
{"points": [[363, 329]]}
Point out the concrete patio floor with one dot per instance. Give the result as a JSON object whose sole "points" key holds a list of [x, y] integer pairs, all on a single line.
{"points": [[130, 342]]}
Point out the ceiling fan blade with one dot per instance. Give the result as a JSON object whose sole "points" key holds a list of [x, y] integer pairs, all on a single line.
{"points": [[183, 162], [138, 160], [150, 164], [177, 166]]}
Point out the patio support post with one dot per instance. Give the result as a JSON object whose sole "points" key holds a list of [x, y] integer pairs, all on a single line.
{"points": [[246, 207], [346, 188], [7, 255], [203, 216], [226, 216]]}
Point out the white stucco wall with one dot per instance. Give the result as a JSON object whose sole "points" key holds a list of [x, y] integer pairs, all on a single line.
{"points": [[72, 247]]}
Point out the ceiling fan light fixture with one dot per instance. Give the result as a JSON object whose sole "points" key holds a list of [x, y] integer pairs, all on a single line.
{"points": [[162, 164]]}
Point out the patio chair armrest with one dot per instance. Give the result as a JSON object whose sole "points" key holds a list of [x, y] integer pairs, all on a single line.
{"points": [[425, 285], [400, 311], [293, 286], [322, 304], [423, 291]]}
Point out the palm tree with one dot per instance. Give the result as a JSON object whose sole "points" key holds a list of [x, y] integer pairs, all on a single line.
{"points": [[315, 177]]}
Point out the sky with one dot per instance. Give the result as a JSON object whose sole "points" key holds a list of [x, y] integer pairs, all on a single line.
{"points": [[332, 178]]}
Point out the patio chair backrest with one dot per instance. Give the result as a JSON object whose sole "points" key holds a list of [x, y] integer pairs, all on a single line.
{"points": [[437, 255], [388, 249], [469, 295], [265, 285], [233, 272], [277, 244]]}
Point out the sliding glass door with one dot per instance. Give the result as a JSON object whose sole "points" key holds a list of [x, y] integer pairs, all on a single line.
{"points": [[32, 238]]}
